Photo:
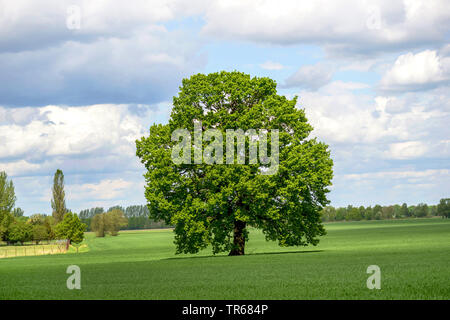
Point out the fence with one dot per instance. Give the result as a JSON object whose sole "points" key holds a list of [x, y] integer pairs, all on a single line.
{"points": [[28, 249]]}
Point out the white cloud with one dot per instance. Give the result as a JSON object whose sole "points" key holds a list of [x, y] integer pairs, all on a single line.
{"points": [[311, 76], [79, 139], [417, 71], [411, 174], [69, 131], [340, 114], [121, 54], [143, 68], [270, 65], [17, 167], [104, 190], [26, 25], [374, 26], [365, 135], [406, 150]]}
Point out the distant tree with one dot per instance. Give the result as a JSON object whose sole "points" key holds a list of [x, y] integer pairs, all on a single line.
{"points": [[377, 212], [58, 201], [20, 231], [329, 213], [115, 220], [421, 210], [387, 212], [70, 228], [353, 213], [36, 219], [109, 222], [87, 215], [7, 201], [6, 219], [397, 211], [404, 212], [116, 208], [7, 194], [98, 224], [443, 208], [50, 224], [362, 212], [18, 212], [411, 210], [368, 213], [341, 214], [40, 233]]}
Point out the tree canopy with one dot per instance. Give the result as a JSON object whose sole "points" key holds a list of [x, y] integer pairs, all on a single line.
{"points": [[111, 221], [7, 194], [7, 202], [443, 208], [215, 204], [70, 228], [58, 201]]}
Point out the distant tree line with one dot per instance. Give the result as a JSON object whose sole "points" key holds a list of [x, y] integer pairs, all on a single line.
{"points": [[16, 228], [137, 217], [378, 212]]}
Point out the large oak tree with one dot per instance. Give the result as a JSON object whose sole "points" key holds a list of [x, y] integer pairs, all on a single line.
{"points": [[216, 204]]}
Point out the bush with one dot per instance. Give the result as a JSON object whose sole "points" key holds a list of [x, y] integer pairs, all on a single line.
{"points": [[111, 221], [39, 233], [20, 231]]}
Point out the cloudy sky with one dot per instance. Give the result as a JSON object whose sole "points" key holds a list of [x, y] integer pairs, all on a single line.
{"points": [[82, 80]]}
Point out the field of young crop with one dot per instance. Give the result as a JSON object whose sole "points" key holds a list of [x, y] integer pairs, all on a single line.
{"points": [[413, 255]]}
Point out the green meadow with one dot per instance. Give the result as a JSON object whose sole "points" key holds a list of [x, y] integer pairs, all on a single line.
{"points": [[413, 255]]}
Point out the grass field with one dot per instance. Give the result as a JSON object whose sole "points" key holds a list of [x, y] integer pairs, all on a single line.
{"points": [[414, 257]]}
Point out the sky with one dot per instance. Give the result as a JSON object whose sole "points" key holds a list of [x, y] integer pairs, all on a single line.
{"points": [[82, 80]]}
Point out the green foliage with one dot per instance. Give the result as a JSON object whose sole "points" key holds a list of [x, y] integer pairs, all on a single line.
{"points": [[137, 215], [50, 224], [404, 211], [115, 220], [421, 210], [353, 213], [98, 224], [36, 219], [7, 201], [109, 222], [58, 200], [215, 204], [70, 228], [18, 212], [378, 212], [6, 219], [7, 194], [20, 231], [39, 232], [443, 208]]}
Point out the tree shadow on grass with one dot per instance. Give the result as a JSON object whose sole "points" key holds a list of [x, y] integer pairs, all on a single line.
{"points": [[247, 254]]}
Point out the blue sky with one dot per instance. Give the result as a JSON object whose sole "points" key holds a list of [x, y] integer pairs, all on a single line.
{"points": [[372, 76]]}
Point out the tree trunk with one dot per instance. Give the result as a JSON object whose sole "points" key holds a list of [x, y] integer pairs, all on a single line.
{"points": [[239, 239]]}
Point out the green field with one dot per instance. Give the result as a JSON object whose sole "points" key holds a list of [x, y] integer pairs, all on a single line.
{"points": [[414, 257]]}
